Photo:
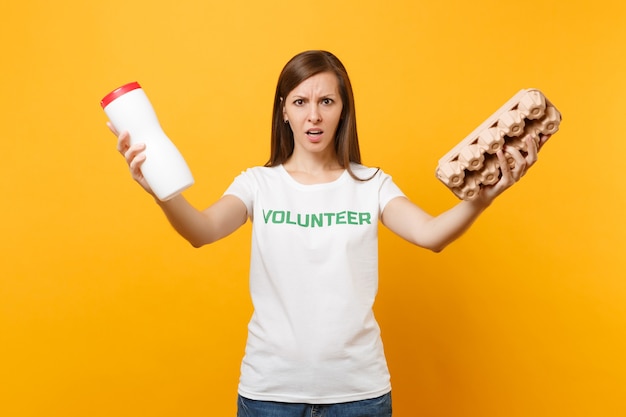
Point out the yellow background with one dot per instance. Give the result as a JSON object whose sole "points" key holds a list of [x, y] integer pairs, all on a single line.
{"points": [[105, 311]]}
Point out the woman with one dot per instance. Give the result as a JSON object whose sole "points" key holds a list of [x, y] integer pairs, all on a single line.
{"points": [[314, 346]]}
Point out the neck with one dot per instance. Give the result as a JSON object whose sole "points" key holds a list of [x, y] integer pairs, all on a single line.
{"points": [[313, 169], [313, 163]]}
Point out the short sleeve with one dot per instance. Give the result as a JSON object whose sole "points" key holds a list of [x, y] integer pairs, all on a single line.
{"points": [[243, 188], [388, 190]]}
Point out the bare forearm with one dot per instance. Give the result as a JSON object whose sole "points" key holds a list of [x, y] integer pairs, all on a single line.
{"points": [[431, 232], [188, 221], [439, 231], [202, 227]]}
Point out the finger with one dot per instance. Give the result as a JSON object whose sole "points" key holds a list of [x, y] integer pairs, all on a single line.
{"points": [[506, 178], [112, 128], [531, 149], [134, 151], [505, 168], [542, 140], [135, 164], [123, 142], [521, 163]]}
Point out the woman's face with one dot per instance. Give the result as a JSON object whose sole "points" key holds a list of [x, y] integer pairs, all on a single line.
{"points": [[313, 110]]}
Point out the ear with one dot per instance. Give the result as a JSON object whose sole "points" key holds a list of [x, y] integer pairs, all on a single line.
{"points": [[284, 111]]}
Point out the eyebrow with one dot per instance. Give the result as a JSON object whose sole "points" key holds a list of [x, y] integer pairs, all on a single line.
{"points": [[321, 95]]}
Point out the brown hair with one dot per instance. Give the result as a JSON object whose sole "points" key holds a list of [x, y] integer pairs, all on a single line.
{"points": [[299, 68]]}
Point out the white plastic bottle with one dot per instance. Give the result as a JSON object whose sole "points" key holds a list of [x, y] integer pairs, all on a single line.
{"points": [[129, 109]]}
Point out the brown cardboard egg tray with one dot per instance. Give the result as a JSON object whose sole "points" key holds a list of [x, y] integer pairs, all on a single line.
{"points": [[473, 163]]}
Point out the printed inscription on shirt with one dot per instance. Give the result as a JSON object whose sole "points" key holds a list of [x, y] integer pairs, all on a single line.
{"points": [[316, 219]]}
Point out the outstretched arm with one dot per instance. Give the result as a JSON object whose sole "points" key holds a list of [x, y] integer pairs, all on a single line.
{"points": [[207, 226], [198, 227], [436, 232]]}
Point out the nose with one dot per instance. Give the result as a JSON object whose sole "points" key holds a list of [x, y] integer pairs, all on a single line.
{"points": [[314, 114]]}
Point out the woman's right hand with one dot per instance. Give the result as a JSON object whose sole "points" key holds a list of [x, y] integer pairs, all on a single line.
{"points": [[134, 155]]}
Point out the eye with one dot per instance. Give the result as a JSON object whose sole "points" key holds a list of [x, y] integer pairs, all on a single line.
{"points": [[298, 102], [327, 101]]}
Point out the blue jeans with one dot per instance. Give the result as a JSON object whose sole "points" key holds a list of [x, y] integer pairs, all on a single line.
{"points": [[376, 407]]}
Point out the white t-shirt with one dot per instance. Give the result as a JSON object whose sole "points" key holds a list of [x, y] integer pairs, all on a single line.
{"points": [[313, 337]]}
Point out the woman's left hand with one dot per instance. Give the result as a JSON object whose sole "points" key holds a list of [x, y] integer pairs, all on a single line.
{"points": [[522, 163]]}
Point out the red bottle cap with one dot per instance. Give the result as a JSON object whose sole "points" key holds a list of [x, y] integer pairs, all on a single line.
{"points": [[119, 92]]}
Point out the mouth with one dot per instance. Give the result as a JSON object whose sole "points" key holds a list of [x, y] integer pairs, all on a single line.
{"points": [[314, 133]]}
